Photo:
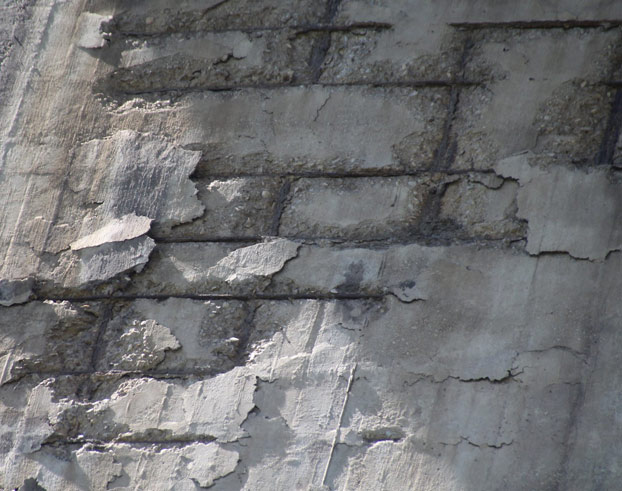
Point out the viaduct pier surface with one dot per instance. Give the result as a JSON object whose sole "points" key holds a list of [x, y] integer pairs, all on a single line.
{"points": [[311, 245]]}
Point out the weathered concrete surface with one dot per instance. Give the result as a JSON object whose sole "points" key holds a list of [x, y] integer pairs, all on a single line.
{"points": [[286, 129], [556, 110], [321, 245]]}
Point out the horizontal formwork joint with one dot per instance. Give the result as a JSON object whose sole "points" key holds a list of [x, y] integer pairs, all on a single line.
{"points": [[278, 86], [218, 296], [298, 29], [354, 174], [539, 24]]}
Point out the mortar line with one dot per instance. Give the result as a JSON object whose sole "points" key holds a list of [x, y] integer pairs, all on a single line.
{"points": [[99, 337], [322, 45], [445, 153], [159, 374], [216, 240], [612, 132], [280, 206]]}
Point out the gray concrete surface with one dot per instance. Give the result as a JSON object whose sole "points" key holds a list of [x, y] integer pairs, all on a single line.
{"points": [[315, 245]]}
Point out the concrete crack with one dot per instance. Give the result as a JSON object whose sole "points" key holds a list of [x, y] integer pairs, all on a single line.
{"points": [[466, 440], [322, 106]]}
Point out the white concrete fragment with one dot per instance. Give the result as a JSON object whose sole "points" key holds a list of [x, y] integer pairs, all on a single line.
{"points": [[210, 462], [37, 423], [179, 468], [84, 468], [259, 260], [117, 230], [142, 346], [214, 407]]}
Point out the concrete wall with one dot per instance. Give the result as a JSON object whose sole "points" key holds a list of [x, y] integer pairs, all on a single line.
{"points": [[345, 245]]}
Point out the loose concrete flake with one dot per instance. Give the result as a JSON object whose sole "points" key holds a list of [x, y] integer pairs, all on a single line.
{"points": [[117, 230], [118, 246], [108, 260], [256, 261], [210, 462], [140, 174]]}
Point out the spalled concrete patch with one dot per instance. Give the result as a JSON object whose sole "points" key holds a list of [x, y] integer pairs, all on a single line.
{"points": [[482, 208], [190, 336], [145, 181], [91, 34], [573, 211], [363, 208], [236, 207], [74, 470], [143, 345], [46, 337]]}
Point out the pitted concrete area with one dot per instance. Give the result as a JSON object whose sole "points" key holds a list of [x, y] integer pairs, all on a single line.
{"points": [[315, 245]]}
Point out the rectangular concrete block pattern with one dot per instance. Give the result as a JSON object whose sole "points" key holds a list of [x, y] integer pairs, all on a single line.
{"points": [[557, 110], [316, 129], [328, 245], [362, 208]]}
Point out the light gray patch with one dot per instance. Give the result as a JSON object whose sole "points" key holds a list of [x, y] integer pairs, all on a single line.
{"points": [[15, 291]]}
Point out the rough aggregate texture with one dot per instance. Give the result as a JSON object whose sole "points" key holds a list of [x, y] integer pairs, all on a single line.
{"points": [[325, 245]]}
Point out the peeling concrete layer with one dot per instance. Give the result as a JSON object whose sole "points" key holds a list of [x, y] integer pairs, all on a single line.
{"points": [[333, 245], [108, 260], [582, 214]]}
